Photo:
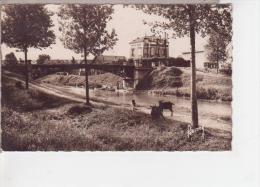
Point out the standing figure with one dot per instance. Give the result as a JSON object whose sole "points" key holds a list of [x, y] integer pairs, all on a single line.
{"points": [[133, 104]]}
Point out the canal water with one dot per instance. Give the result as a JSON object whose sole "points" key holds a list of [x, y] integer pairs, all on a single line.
{"points": [[211, 113], [146, 99]]}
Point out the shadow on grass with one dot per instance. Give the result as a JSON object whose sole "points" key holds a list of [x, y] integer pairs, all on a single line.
{"points": [[21, 99]]}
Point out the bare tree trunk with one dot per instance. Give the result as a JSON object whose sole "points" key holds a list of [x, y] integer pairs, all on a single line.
{"points": [[217, 66], [85, 61], [86, 77], [194, 105], [26, 69]]}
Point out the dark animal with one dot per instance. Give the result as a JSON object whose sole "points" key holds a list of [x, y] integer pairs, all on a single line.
{"points": [[166, 105]]}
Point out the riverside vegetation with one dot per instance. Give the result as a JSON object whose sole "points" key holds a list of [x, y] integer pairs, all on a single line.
{"points": [[36, 121], [176, 81]]}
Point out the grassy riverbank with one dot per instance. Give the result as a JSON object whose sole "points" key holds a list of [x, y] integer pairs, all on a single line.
{"points": [[176, 81], [33, 120], [108, 79]]}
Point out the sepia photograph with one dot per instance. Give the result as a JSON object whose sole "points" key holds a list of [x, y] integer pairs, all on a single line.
{"points": [[115, 77]]}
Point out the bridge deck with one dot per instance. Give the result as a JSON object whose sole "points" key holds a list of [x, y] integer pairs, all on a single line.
{"points": [[79, 66]]}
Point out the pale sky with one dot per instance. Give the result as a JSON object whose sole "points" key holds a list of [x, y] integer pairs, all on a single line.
{"points": [[128, 24]]}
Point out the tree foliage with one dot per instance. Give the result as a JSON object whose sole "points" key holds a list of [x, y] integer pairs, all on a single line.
{"points": [[84, 30], [25, 26], [10, 59], [206, 17], [83, 27], [189, 20], [216, 47], [43, 58]]}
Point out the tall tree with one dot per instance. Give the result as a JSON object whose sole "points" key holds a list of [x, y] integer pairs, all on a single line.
{"points": [[217, 48], [27, 26], [84, 31], [43, 58], [189, 20], [10, 59]]}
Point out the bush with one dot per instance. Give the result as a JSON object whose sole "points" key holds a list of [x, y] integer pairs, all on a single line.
{"points": [[226, 97], [10, 59], [19, 85], [226, 71], [79, 109], [173, 72], [210, 93], [43, 58], [199, 78]]}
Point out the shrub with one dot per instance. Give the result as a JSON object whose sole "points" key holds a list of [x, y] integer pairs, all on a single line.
{"points": [[173, 72], [10, 59], [226, 97], [19, 85], [210, 93], [227, 71], [43, 58], [79, 109], [199, 78]]}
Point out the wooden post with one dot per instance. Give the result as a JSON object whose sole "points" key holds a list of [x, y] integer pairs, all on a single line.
{"points": [[87, 85], [86, 77], [217, 66], [86, 69], [26, 69]]}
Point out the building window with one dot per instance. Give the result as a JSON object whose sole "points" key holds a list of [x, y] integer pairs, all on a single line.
{"points": [[161, 52], [152, 51], [140, 51], [158, 51], [132, 52], [145, 52]]}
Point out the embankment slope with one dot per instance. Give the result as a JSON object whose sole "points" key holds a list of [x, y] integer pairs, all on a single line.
{"points": [[176, 81]]}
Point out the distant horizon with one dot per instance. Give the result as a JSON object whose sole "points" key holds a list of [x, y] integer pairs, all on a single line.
{"points": [[128, 24]]}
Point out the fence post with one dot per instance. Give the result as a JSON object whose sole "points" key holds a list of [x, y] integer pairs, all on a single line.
{"points": [[87, 85]]}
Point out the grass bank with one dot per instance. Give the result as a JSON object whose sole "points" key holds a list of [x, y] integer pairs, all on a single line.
{"points": [[108, 79], [35, 121], [176, 81]]}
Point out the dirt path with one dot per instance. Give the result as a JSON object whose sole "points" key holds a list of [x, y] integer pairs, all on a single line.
{"points": [[66, 92]]}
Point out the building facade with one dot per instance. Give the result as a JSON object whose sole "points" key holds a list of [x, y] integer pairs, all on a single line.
{"points": [[149, 47]]}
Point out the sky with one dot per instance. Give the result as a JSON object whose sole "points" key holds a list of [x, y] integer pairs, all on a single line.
{"points": [[128, 24]]}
